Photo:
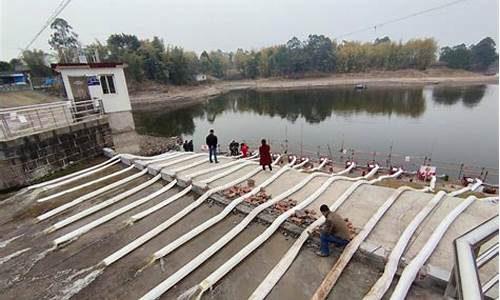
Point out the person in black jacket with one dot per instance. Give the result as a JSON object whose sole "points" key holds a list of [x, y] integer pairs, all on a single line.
{"points": [[190, 146], [212, 146]]}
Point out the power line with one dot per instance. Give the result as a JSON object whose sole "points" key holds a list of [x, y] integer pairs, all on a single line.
{"points": [[400, 18], [62, 5]]}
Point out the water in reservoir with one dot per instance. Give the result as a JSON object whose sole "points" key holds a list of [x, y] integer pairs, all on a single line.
{"points": [[449, 125]]}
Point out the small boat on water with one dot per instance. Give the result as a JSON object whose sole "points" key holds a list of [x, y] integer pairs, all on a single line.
{"points": [[360, 87]]}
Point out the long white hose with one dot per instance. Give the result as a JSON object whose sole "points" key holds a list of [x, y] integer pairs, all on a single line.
{"points": [[207, 253], [90, 195], [215, 276], [100, 206], [321, 165], [300, 165], [166, 154], [78, 177], [160, 205], [89, 226], [106, 188], [146, 162], [172, 220], [215, 168], [91, 170], [81, 186], [214, 220], [164, 165], [383, 283], [412, 269], [39, 185], [193, 264], [279, 270], [349, 251]]}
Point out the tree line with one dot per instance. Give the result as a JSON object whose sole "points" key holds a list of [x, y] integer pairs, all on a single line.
{"points": [[153, 60]]}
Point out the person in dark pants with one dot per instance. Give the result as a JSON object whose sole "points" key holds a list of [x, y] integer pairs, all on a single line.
{"points": [[334, 230], [185, 146], [190, 146], [233, 148], [211, 141], [265, 155]]}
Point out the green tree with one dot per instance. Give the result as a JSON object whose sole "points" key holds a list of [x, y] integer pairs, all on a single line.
{"points": [[36, 60], [121, 43], [64, 40], [484, 54], [5, 66], [421, 53], [458, 57], [320, 54]]}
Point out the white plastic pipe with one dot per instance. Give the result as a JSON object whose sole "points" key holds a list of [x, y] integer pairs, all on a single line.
{"points": [[321, 165], [100, 206], [227, 172], [217, 167], [279, 270], [89, 226], [193, 264], [412, 269], [186, 167], [470, 187], [76, 188], [301, 164], [78, 177], [172, 220], [207, 253], [214, 168], [214, 220], [215, 276], [160, 205], [383, 283], [39, 185], [160, 158], [166, 154], [164, 165], [90, 195], [351, 248]]}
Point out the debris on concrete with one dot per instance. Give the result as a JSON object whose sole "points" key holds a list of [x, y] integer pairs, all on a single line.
{"points": [[258, 198]]}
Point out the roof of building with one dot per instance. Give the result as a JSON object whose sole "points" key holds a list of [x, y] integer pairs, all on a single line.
{"points": [[87, 66], [11, 74]]}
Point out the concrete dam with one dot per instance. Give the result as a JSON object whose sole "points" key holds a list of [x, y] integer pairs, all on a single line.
{"points": [[177, 226]]}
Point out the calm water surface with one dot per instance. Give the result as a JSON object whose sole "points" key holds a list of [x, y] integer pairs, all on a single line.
{"points": [[450, 125]]}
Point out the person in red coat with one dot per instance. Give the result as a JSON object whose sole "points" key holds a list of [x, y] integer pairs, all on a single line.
{"points": [[244, 149], [265, 155]]}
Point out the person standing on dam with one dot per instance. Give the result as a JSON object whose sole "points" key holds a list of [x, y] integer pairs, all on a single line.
{"points": [[211, 141], [334, 230], [265, 155]]}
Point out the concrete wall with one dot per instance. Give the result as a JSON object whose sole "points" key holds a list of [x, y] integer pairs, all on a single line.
{"points": [[25, 159]]}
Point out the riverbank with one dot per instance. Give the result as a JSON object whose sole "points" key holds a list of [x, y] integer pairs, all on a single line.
{"points": [[172, 97]]}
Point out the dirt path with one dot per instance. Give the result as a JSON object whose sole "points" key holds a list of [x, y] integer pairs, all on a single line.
{"points": [[174, 97]]}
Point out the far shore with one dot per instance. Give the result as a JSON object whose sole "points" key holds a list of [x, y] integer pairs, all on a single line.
{"points": [[175, 97]]}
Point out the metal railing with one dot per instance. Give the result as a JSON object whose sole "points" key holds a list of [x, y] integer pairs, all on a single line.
{"points": [[465, 277], [25, 120]]}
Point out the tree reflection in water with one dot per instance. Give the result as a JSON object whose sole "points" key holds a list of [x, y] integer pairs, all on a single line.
{"points": [[449, 95], [314, 105]]}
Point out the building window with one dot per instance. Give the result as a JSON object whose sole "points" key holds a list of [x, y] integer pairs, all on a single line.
{"points": [[108, 84]]}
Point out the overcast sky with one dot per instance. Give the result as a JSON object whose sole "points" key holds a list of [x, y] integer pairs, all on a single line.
{"points": [[230, 24]]}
